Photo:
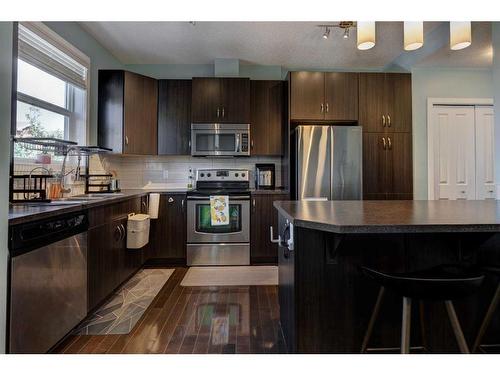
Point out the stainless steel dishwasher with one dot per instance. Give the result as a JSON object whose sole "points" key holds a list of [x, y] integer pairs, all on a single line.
{"points": [[48, 281]]}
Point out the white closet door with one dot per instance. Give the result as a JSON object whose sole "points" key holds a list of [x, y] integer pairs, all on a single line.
{"points": [[485, 153], [454, 152]]}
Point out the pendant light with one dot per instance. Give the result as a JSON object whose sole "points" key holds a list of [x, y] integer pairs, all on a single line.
{"points": [[366, 35], [460, 35], [413, 35]]}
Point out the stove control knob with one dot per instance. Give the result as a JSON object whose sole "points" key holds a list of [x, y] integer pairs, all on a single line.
{"points": [[243, 175], [236, 175], [202, 174], [209, 174]]}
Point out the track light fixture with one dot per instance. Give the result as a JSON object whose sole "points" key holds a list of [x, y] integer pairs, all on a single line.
{"points": [[326, 34]]}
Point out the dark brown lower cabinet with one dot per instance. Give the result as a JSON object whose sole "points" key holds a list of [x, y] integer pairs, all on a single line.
{"points": [[168, 232], [387, 166], [263, 216], [109, 262]]}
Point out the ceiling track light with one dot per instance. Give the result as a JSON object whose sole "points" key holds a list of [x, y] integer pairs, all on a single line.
{"points": [[413, 35], [326, 34], [344, 25], [460, 35]]}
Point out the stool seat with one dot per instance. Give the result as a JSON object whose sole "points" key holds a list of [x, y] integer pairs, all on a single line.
{"points": [[443, 282]]}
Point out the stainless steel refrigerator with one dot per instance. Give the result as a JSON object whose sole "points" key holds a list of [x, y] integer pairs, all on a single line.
{"points": [[328, 162]]}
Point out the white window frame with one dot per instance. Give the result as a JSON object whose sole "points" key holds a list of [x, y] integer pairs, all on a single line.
{"points": [[64, 46]]}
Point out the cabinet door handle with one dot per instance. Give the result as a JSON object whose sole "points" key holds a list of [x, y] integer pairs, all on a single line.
{"points": [[218, 112], [189, 145], [182, 205], [388, 121], [222, 112], [384, 143], [326, 107], [322, 107], [383, 121], [118, 230], [126, 140], [251, 143], [389, 143], [170, 199], [124, 232]]}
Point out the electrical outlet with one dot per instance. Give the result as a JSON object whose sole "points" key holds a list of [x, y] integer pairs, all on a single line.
{"points": [[165, 174]]}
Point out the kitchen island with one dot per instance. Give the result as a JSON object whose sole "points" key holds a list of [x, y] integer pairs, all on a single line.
{"points": [[325, 301]]}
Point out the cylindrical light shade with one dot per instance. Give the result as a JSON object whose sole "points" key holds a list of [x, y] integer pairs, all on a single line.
{"points": [[366, 34], [413, 35], [460, 35]]}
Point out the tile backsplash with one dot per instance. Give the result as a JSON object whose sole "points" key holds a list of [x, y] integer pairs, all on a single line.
{"points": [[136, 171]]}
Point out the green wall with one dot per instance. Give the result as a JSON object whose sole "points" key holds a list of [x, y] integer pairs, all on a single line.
{"points": [[440, 83], [6, 30], [100, 58]]}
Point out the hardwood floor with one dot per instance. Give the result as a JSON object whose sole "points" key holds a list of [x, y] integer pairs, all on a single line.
{"points": [[241, 320]]}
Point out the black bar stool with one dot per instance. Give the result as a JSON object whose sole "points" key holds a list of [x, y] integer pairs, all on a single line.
{"points": [[442, 283], [495, 271]]}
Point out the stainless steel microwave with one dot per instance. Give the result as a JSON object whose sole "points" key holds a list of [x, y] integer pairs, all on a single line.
{"points": [[220, 139]]}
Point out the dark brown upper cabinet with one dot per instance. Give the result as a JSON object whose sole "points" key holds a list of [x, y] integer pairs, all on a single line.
{"points": [[266, 104], [324, 96], [385, 102], [127, 112], [174, 117], [221, 100], [387, 166]]}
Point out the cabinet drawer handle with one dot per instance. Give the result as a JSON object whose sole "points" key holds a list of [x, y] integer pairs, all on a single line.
{"points": [[384, 143], [389, 143], [383, 121], [388, 121], [322, 108], [170, 199]]}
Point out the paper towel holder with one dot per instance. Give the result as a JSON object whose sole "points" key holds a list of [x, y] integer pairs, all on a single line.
{"points": [[154, 205]]}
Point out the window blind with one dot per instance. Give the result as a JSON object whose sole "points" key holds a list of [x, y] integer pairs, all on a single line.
{"points": [[39, 52]]}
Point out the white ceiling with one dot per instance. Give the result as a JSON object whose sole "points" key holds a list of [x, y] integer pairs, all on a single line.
{"points": [[288, 44]]}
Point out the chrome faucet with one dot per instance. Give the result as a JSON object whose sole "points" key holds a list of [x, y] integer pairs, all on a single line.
{"points": [[63, 168]]}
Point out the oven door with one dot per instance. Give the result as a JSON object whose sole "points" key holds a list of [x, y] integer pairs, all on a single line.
{"points": [[216, 143], [201, 230]]}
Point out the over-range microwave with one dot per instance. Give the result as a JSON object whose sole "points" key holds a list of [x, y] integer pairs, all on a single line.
{"points": [[220, 139]]}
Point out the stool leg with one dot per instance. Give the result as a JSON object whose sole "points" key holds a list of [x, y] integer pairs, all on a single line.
{"points": [[406, 326], [375, 312], [455, 324], [487, 319], [422, 325]]}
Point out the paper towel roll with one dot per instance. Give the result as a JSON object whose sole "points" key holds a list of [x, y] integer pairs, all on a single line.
{"points": [[154, 205]]}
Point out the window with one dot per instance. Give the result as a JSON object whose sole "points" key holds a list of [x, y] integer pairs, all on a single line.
{"points": [[52, 85]]}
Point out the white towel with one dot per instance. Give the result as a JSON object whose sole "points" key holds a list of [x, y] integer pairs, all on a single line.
{"points": [[154, 205], [219, 210]]}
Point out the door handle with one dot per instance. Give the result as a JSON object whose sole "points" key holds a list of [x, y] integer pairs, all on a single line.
{"points": [[388, 121], [384, 143], [389, 143], [278, 241], [383, 121]]}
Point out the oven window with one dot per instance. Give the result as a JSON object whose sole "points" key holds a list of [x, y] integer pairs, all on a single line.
{"points": [[204, 222], [227, 142], [205, 142]]}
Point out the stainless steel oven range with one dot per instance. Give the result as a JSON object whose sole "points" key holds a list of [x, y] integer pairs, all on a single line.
{"points": [[209, 244]]}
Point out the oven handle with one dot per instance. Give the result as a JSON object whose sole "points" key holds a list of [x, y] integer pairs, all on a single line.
{"points": [[231, 197]]}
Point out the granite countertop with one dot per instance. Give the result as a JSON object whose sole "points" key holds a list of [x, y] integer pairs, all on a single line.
{"points": [[269, 191], [22, 213], [393, 216]]}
